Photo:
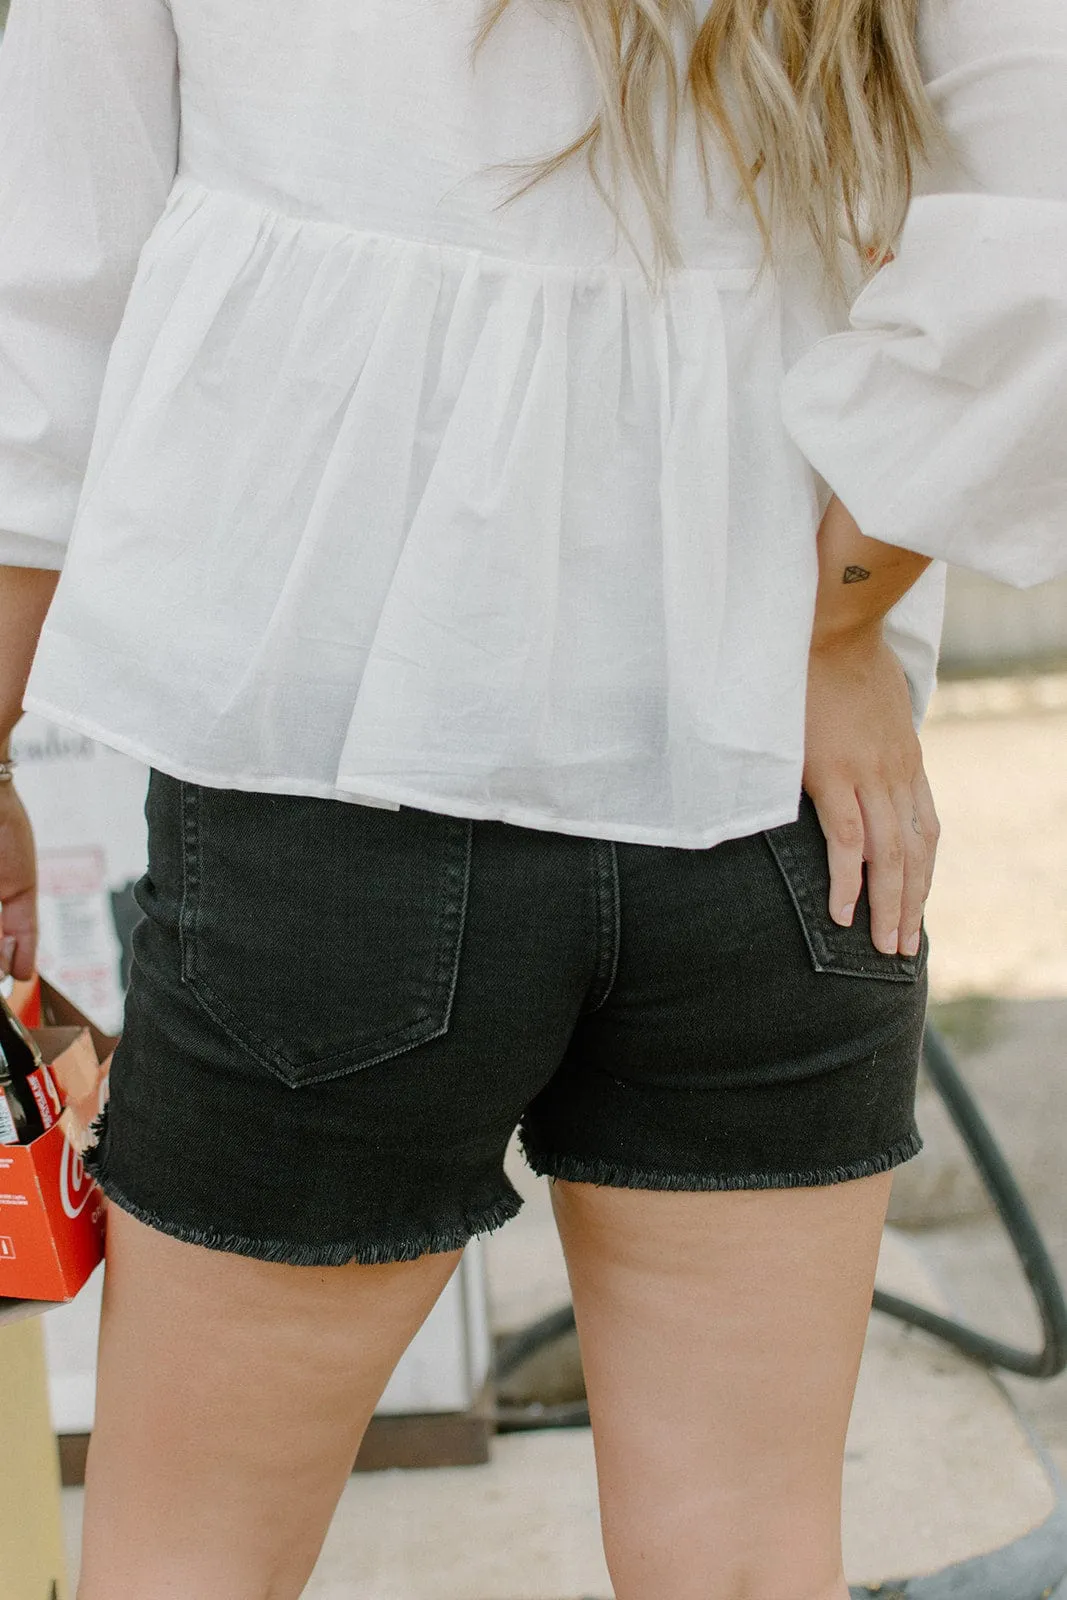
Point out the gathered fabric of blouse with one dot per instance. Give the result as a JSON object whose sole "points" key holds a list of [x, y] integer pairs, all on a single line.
{"points": [[366, 485]]}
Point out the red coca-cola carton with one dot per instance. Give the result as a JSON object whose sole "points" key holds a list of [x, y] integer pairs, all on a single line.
{"points": [[25, 1000], [51, 1214]]}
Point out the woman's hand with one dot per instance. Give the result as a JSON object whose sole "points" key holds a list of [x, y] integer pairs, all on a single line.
{"points": [[18, 887], [863, 769]]}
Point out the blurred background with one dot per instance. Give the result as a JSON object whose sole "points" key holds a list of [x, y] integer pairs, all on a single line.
{"points": [[996, 752]]}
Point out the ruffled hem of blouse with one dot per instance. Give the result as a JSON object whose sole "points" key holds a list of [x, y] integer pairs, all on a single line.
{"points": [[388, 797], [404, 514]]}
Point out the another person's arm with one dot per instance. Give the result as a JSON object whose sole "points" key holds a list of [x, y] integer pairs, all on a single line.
{"points": [[25, 595]]}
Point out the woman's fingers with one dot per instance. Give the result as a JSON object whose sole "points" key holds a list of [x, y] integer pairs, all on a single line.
{"points": [[863, 769], [841, 821], [18, 935], [926, 811], [895, 834], [886, 863], [914, 891]]}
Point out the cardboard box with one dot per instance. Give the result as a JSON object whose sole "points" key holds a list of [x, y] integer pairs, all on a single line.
{"points": [[25, 1000], [51, 1214]]}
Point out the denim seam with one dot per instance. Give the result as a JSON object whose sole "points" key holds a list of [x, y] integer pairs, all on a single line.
{"points": [[620, 1175], [452, 920], [451, 948], [190, 859], [791, 867], [608, 921], [281, 1066]]}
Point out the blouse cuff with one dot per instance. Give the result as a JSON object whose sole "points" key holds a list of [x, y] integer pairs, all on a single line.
{"points": [[23, 550], [940, 418]]}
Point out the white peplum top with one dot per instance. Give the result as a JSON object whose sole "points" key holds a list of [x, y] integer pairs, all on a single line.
{"points": [[366, 485]]}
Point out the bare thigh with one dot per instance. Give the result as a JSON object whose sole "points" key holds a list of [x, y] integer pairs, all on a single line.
{"points": [[721, 1335], [232, 1396]]}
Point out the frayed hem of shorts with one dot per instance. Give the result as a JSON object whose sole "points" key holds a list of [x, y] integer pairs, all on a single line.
{"points": [[611, 1174], [433, 1241]]}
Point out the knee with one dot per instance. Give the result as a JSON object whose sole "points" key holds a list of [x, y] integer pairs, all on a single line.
{"points": [[720, 1584], [711, 1561]]}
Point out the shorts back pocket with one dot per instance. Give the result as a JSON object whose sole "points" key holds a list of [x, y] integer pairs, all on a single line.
{"points": [[321, 934], [799, 848]]}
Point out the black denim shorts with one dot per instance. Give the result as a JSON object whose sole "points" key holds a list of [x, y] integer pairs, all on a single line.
{"points": [[338, 1015]]}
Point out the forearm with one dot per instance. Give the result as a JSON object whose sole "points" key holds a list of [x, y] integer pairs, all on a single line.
{"points": [[860, 579], [25, 595]]}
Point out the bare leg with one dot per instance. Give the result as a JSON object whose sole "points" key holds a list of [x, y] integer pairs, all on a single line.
{"points": [[232, 1396], [721, 1335]]}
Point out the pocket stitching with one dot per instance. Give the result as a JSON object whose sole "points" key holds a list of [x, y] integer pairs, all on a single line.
{"points": [[291, 1073], [902, 969]]}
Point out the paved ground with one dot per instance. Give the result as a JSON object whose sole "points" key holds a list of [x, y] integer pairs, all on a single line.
{"points": [[997, 758], [1015, 1058]]}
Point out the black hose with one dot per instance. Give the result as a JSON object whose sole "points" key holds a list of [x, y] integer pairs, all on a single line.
{"points": [[516, 1348], [1003, 1189], [511, 1352]]}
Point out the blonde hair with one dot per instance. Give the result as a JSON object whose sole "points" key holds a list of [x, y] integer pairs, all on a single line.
{"points": [[830, 112]]}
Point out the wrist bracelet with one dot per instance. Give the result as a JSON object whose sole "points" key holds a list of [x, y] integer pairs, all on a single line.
{"points": [[7, 765]]}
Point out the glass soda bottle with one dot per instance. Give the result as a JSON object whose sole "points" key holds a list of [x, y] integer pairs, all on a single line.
{"points": [[29, 1100]]}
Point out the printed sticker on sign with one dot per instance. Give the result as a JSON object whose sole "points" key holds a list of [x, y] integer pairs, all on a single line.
{"points": [[79, 946]]}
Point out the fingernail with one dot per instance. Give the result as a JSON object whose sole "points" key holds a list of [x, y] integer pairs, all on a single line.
{"points": [[910, 947], [888, 946], [846, 915], [7, 953]]}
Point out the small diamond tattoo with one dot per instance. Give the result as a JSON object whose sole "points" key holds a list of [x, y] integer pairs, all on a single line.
{"points": [[856, 575]]}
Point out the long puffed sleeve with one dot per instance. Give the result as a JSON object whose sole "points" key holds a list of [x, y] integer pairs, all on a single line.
{"points": [[940, 417], [89, 121]]}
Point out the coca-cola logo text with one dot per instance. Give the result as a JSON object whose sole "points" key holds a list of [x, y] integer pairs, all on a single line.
{"points": [[75, 1187]]}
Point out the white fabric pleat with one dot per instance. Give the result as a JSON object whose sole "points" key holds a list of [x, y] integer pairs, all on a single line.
{"points": [[365, 485]]}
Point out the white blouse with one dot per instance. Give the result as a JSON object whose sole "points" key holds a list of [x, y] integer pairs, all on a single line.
{"points": [[365, 486]]}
